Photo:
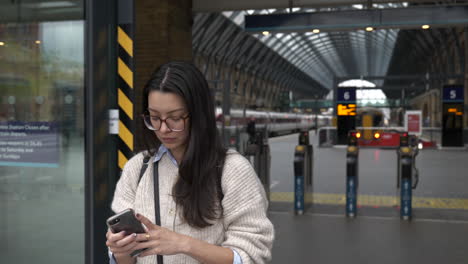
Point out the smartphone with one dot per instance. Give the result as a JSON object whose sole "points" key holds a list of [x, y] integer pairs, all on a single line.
{"points": [[126, 221]]}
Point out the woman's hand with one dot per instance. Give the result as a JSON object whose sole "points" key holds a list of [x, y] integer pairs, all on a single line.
{"points": [[159, 240], [120, 244]]}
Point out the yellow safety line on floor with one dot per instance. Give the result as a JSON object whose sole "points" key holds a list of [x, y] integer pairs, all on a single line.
{"points": [[374, 200]]}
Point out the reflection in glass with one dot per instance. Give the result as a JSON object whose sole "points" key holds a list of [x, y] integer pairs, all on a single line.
{"points": [[41, 142]]}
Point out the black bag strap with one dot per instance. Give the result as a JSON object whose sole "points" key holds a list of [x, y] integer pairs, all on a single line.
{"points": [[143, 168], [156, 194], [156, 203]]}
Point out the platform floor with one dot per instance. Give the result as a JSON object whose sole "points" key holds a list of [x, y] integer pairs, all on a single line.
{"points": [[436, 234], [319, 238]]}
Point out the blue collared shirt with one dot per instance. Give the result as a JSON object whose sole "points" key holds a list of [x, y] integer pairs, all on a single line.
{"points": [[161, 151]]}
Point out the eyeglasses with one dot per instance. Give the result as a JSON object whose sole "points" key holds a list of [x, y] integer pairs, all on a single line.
{"points": [[175, 124]]}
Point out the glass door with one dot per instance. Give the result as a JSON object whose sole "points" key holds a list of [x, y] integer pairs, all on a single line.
{"points": [[42, 156]]}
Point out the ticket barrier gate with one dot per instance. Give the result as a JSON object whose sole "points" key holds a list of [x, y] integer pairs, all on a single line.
{"points": [[406, 173], [258, 152], [303, 168], [299, 186], [352, 158]]}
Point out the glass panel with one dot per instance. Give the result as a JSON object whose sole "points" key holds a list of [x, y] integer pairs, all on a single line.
{"points": [[41, 132]]}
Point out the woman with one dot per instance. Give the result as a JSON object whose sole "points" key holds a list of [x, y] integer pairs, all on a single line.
{"points": [[212, 204]]}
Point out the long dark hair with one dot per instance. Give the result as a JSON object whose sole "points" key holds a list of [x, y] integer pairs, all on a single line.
{"points": [[198, 189]]}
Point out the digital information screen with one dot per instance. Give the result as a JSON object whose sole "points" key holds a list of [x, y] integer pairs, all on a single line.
{"points": [[346, 109], [345, 112]]}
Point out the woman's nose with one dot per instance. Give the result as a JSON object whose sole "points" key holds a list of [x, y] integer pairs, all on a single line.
{"points": [[164, 128]]}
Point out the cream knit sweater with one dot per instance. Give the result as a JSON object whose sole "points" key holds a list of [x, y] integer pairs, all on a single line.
{"points": [[244, 227]]}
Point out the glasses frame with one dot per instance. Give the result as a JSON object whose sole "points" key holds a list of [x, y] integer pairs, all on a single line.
{"points": [[150, 127]]}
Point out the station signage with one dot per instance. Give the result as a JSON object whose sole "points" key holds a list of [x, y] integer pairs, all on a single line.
{"points": [[29, 144], [346, 95], [453, 94], [455, 109], [345, 112], [346, 109], [452, 115], [413, 122]]}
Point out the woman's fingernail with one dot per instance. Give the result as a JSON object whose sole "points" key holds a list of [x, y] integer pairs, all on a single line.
{"points": [[138, 215], [134, 234]]}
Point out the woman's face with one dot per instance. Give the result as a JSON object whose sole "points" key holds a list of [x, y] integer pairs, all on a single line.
{"points": [[169, 107]]}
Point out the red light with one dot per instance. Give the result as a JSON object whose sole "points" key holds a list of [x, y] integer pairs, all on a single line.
{"points": [[405, 134]]}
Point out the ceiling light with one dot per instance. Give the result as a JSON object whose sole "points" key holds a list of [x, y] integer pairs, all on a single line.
{"points": [[265, 33], [38, 42], [316, 31], [369, 29], [2, 43], [425, 27]]}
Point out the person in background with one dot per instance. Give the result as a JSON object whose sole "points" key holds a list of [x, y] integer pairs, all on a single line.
{"points": [[251, 130], [213, 207]]}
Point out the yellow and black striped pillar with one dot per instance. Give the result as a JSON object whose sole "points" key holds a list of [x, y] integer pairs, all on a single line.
{"points": [[125, 90]]}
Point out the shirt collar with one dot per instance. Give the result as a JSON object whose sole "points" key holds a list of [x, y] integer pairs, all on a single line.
{"points": [[163, 150]]}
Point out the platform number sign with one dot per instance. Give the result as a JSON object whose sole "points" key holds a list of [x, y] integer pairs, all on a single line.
{"points": [[452, 115], [453, 93], [346, 95]]}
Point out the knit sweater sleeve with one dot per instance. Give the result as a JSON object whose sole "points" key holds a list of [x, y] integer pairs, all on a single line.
{"points": [[124, 195], [248, 229]]}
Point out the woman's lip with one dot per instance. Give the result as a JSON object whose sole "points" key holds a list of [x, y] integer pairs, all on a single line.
{"points": [[168, 138]]}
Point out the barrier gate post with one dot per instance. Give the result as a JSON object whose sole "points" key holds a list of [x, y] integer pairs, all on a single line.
{"points": [[406, 155], [299, 158], [352, 155]]}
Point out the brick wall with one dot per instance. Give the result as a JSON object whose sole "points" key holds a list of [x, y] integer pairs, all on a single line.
{"points": [[163, 32]]}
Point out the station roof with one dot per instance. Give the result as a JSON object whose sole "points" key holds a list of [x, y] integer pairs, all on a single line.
{"points": [[325, 58]]}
